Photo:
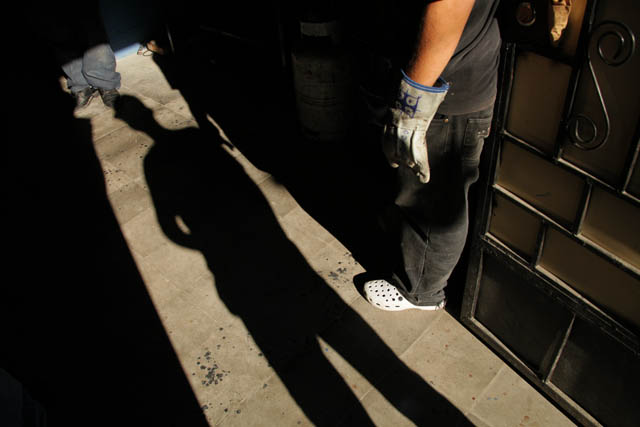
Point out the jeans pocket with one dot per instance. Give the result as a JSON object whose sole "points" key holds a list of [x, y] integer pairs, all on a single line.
{"points": [[474, 135]]}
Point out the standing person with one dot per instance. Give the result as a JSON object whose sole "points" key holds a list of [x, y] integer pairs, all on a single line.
{"points": [[81, 44], [434, 136]]}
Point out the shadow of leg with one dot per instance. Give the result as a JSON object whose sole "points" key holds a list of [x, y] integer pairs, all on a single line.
{"points": [[409, 393]]}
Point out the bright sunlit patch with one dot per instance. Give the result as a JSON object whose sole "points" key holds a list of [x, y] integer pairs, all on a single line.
{"points": [[182, 226], [217, 126], [126, 51]]}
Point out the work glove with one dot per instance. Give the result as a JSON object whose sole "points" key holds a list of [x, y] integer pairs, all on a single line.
{"points": [[404, 139]]}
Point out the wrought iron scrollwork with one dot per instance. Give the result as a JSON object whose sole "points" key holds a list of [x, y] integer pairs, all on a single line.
{"points": [[613, 43], [617, 33]]}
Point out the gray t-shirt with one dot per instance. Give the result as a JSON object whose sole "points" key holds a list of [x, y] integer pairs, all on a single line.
{"points": [[472, 71]]}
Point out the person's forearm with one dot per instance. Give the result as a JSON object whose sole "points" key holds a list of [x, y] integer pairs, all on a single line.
{"points": [[442, 26]]}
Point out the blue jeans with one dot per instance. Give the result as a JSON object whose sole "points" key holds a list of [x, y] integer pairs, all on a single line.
{"points": [[432, 220], [96, 68]]}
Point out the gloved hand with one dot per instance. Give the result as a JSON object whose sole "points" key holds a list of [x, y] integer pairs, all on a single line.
{"points": [[404, 139]]}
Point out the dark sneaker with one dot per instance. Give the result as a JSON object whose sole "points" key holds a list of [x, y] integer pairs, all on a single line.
{"points": [[84, 97], [109, 97]]}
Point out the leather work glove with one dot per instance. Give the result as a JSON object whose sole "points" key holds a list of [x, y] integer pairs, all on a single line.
{"points": [[404, 139]]}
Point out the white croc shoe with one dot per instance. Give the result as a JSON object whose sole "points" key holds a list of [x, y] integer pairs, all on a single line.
{"points": [[383, 295]]}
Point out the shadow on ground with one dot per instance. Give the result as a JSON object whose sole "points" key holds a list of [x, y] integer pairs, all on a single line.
{"points": [[78, 331], [345, 186], [204, 200]]}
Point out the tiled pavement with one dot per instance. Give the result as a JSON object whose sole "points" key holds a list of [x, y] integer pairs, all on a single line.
{"points": [[248, 368]]}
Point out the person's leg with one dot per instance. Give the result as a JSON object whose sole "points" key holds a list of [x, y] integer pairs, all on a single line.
{"points": [[77, 84], [432, 219], [75, 78], [99, 67]]}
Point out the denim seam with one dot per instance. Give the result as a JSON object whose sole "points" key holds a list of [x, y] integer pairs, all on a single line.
{"points": [[423, 261], [447, 143]]}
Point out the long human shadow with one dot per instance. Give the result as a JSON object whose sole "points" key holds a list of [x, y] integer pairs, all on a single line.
{"points": [[346, 186], [342, 185], [78, 330], [204, 200]]}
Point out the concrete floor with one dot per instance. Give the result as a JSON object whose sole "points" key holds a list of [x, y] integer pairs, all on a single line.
{"points": [[244, 373]]}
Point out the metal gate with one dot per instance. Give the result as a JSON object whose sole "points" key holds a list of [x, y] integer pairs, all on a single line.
{"points": [[553, 282]]}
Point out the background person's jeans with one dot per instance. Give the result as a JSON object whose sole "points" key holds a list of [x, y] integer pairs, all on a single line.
{"points": [[96, 68], [433, 218]]}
